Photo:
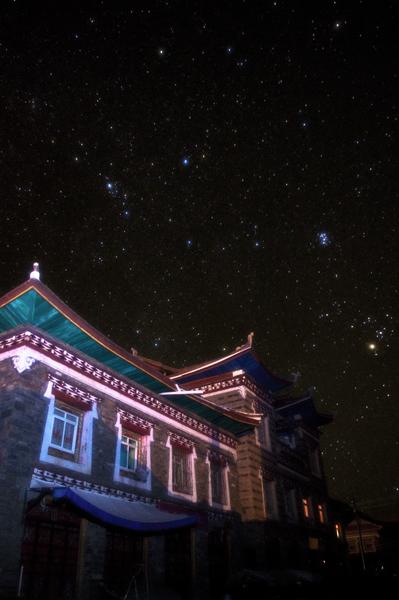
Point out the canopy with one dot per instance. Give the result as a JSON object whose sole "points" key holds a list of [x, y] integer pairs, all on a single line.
{"points": [[135, 516]]}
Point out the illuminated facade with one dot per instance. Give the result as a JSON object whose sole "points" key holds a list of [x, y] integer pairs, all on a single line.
{"points": [[282, 488], [126, 471]]}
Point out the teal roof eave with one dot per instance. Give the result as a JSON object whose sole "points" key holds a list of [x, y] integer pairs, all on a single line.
{"points": [[37, 305]]}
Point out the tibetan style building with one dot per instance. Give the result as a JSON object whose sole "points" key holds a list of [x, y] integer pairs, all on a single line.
{"points": [[116, 471]]}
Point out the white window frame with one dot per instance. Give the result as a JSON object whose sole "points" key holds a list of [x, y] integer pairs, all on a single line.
{"points": [[83, 462], [224, 473], [121, 474], [67, 418], [130, 443], [191, 458]]}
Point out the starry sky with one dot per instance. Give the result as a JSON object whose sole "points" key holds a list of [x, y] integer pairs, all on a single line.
{"points": [[187, 173]]}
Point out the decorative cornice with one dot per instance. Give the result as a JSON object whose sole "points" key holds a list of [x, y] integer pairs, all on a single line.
{"points": [[29, 338], [71, 390], [267, 473], [260, 407], [182, 441], [134, 419], [217, 457], [237, 381], [54, 479]]}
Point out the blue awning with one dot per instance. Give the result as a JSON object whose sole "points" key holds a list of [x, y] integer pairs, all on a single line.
{"points": [[135, 516]]}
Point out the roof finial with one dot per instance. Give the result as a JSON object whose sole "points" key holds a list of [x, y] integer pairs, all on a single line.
{"points": [[35, 273], [250, 336]]}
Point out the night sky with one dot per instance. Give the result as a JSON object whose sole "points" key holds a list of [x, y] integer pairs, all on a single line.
{"points": [[186, 173]]}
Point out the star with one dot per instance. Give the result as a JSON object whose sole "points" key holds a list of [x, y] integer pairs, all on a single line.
{"points": [[323, 238]]}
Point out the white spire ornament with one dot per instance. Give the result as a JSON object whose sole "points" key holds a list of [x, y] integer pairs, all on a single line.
{"points": [[35, 273]]}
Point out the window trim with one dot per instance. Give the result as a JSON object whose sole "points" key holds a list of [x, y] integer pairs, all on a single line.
{"points": [[181, 470], [274, 512], [77, 427], [81, 459], [176, 441], [131, 443], [124, 426], [215, 458]]}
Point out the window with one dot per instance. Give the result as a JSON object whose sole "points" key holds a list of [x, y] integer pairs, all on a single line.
{"points": [[321, 511], [218, 480], [129, 452], [264, 433], [217, 483], [181, 476], [181, 471], [133, 457], [369, 544], [67, 440], [269, 499], [307, 508], [353, 546], [65, 429], [289, 503], [338, 531]]}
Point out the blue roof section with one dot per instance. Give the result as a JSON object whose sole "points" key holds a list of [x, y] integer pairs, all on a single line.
{"points": [[245, 359], [306, 408]]}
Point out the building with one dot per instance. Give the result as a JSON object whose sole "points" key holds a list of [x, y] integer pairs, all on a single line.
{"points": [[117, 471], [283, 495]]}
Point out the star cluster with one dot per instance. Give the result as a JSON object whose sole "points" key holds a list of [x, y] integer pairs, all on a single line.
{"points": [[186, 176]]}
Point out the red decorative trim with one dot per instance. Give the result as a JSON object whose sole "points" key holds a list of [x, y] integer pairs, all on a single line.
{"points": [[69, 393], [73, 361], [180, 442], [59, 353], [70, 400], [134, 423], [216, 457], [134, 428]]}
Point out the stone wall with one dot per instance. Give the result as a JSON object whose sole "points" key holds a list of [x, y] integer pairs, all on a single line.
{"points": [[23, 414]]}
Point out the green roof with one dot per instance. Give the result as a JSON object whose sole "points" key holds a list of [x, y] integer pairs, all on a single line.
{"points": [[34, 303]]}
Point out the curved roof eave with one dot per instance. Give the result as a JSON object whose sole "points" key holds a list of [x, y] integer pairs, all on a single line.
{"points": [[243, 359], [33, 302]]}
